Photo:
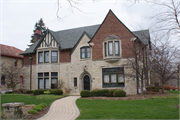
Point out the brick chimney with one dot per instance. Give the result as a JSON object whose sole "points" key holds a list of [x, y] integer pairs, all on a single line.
{"points": [[37, 35]]}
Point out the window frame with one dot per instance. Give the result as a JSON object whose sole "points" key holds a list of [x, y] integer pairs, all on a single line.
{"points": [[85, 52], [4, 80], [45, 57], [53, 56], [54, 77], [115, 48], [39, 57], [109, 49], [105, 49], [75, 81], [111, 72]]}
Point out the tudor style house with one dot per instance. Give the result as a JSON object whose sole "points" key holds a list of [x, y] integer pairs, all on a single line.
{"points": [[86, 58]]}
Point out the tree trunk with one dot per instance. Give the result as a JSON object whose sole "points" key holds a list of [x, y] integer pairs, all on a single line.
{"points": [[162, 88]]}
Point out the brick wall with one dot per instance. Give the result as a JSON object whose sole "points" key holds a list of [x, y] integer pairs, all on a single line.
{"points": [[64, 56], [112, 26], [27, 60]]}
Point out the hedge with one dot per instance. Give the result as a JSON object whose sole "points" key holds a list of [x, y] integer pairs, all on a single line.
{"points": [[103, 92], [85, 93], [111, 92], [8, 92], [95, 93], [57, 92], [119, 93], [32, 111], [29, 91]]}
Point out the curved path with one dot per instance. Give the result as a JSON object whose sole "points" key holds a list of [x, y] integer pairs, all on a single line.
{"points": [[63, 109]]}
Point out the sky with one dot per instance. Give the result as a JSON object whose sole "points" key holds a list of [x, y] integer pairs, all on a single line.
{"points": [[18, 17]]}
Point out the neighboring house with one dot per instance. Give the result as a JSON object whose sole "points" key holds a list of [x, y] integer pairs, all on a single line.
{"points": [[10, 55], [86, 58]]}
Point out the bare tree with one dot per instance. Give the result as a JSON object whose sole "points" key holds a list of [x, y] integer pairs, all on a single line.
{"points": [[167, 17], [163, 59], [12, 74]]}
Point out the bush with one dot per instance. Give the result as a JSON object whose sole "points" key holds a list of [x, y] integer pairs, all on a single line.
{"points": [[108, 94], [8, 92], [119, 93], [38, 92], [95, 93], [37, 108], [103, 92], [32, 111], [85, 93], [173, 88], [43, 104], [47, 92], [57, 92], [153, 89], [29, 91], [111, 92], [167, 87]]}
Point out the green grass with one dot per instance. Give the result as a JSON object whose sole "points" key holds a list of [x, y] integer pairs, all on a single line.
{"points": [[166, 97], [128, 109], [174, 92], [29, 99]]}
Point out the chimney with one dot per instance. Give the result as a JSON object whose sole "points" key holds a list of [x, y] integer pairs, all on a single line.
{"points": [[37, 35]]}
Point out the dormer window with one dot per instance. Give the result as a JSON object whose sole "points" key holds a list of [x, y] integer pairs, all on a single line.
{"points": [[85, 52], [111, 48]]}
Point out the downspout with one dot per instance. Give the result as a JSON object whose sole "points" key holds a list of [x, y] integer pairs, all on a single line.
{"points": [[30, 57]]}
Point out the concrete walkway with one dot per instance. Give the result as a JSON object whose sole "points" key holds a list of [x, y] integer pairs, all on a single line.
{"points": [[63, 109]]}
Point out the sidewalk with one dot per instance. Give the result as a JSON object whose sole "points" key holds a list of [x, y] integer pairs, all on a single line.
{"points": [[63, 109]]}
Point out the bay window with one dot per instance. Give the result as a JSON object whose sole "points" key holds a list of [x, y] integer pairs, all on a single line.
{"points": [[113, 77], [110, 46]]}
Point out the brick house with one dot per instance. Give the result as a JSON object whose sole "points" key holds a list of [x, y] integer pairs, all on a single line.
{"points": [[86, 58], [10, 55]]}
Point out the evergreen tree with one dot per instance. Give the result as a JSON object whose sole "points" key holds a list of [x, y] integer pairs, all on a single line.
{"points": [[39, 25]]}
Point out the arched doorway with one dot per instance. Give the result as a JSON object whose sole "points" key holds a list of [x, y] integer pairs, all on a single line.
{"points": [[86, 80]]}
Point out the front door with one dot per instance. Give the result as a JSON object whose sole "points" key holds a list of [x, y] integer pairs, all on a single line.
{"points": [[86, 82]]}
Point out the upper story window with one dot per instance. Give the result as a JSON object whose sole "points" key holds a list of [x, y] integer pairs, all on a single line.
{"points": [[85, 52], [15, 62], [46, 56], [111, 46], [40, 57], [3, 80], [54, 56]]}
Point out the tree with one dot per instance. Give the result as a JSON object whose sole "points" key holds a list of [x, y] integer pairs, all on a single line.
{"points": [[163, 60], [39, 25], [12, 74]]}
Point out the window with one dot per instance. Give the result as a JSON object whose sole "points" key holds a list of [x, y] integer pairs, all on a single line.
{"points": [[46, 57], [40, 80], [46, 80], [15, 62], [21, 63], [110, 46], [54, 76], [21, 76], [85, 52], [40, 57], [75, 82], [113, 77], [3, 80], [54, 57]]}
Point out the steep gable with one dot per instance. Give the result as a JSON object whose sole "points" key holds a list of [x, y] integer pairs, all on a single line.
{"points": [[111, 26]]}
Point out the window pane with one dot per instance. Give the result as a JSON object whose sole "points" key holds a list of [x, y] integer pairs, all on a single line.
{"points": [[82, 52], [53, 83], [75, 82], [40, 83], [54, 74], [54, 57], [106, 78], [15, 62], [120, 78], [110, 48], [113, 78], [40, 74], [2, 80], [88, 52], [117, 47], [105, 49], [46, 56], [40, 54], [46, 74], [46, 83]]}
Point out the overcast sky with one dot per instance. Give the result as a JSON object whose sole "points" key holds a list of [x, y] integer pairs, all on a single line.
{"points": [[18, 17]]}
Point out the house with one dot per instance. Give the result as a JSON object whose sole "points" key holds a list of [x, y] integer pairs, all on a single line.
{"points": [[86, 58], [10, 55]]}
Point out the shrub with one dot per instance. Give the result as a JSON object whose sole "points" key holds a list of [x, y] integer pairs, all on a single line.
{"points": [[29, 91], [111, 92], [32, 111], [153, 89], [167, 87], [43, 104], [108, 94], [47, 92], [119, 93], [95, 93], [57, 92], [38, 92], [85, 93], [37, 108], [8, 92], [103, 92]]}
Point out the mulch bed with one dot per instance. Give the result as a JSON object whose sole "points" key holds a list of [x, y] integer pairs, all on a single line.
{"points": [[39, 113]]}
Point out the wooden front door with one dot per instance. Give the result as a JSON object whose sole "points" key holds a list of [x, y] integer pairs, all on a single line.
{"points": [[86, 82]]}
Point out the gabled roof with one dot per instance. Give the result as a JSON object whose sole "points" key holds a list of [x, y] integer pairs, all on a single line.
{"points": [[10, 51], [68, 39]]}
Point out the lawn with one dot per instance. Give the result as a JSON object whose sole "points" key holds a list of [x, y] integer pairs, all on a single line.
{"points": [[174, 92], [29, 99], [128, 109]]}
